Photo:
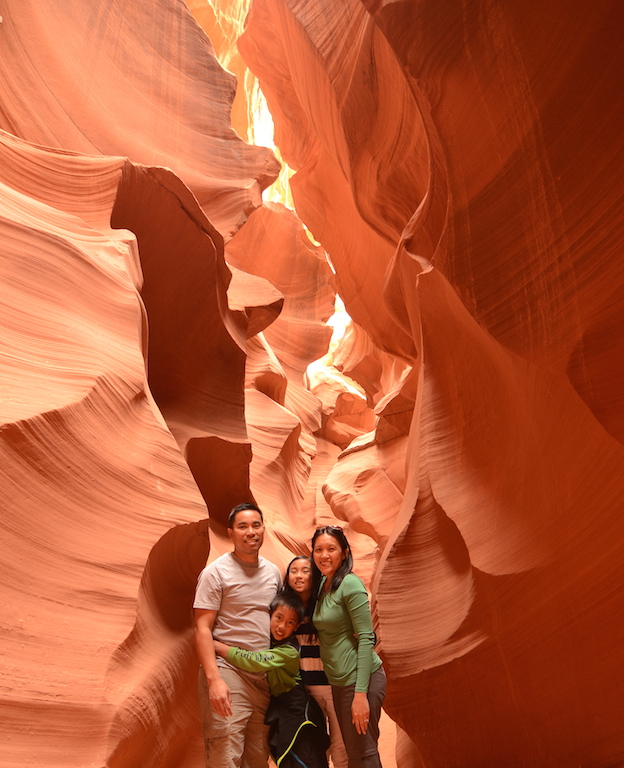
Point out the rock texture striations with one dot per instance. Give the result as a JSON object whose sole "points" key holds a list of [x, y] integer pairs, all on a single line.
{"points": [[460, 164], [459, 167]]}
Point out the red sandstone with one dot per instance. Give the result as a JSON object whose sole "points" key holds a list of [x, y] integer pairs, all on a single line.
{"points": [[461, 165]]}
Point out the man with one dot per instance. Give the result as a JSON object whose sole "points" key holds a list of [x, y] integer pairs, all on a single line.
{"points": [[232, 605]]}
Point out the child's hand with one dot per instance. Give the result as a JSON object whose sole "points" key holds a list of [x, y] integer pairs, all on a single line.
{"points": [[221, 648]]}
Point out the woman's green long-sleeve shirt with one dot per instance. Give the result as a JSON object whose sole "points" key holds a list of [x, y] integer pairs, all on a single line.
{"points": [[343, 621]]}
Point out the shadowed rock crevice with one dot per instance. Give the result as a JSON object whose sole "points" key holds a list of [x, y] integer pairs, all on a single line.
{"points": [[152, 677]]}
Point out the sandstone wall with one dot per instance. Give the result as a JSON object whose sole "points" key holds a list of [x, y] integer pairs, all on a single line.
{"points": [[461, 166]]}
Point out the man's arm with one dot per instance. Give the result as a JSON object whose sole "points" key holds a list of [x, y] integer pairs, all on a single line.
{"points": [[218, 691]]}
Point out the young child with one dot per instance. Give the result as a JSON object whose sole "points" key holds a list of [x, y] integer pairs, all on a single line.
{"points": [[297, 736]]}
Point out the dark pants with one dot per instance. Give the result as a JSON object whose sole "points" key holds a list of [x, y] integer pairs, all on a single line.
{"points": [[361, 748]]}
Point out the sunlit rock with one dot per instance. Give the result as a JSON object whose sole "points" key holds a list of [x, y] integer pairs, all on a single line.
{"points": [[94, 484], [461, 166], [140, 81], [495, 276]]}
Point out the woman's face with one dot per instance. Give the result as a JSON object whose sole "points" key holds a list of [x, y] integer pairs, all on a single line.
{"points": [[300, 576], [328, 555]]}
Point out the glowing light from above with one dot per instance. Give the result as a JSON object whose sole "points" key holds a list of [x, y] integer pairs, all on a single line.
{"points": [[339, 321], [230, 17], [261, 132], [254, 122], [224, 22], [323, 369]]}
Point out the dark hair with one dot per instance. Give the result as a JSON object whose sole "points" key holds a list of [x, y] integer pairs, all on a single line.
{"points": [[345, 567], [288, 600], [241, 508], [294, 560], [287, 589]]}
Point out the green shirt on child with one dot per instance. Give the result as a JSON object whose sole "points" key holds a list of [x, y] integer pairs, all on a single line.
{"points": [[281, 664]]}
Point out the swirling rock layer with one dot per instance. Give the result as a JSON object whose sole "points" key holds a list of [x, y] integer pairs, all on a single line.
{"points": [[461, 165], [461, 184]]}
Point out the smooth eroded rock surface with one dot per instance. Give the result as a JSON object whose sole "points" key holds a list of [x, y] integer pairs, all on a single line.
{"points": [[459, 172], [460, 164]]}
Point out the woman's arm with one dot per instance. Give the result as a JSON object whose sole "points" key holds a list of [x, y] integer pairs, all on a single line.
{"points": [[356, 603]]}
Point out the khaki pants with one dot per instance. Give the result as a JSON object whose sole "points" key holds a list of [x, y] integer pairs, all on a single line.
{"points": [[241, 740], [323, 696]]}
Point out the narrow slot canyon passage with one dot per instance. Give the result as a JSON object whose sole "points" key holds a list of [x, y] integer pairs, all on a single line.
{"points": [[357, 262]]}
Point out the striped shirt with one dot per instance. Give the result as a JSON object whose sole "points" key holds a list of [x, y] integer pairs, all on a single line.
{"points": [[312, 672]]}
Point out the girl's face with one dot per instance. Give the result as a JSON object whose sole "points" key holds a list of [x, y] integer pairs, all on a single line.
{"points": [[328, 555], [300, 576]]}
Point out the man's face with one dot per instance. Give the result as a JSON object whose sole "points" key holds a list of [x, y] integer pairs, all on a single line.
{"points": [[284, 621], [247, 533]]}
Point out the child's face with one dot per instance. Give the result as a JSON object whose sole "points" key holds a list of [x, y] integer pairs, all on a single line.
{"points": [[284, 621], [300, 576]]}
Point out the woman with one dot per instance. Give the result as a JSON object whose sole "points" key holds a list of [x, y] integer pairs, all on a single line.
{"points": [[343, 621], [298, 580]]}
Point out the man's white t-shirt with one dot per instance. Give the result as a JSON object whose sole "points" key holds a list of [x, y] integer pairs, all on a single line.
{"points": [[241, 594]]}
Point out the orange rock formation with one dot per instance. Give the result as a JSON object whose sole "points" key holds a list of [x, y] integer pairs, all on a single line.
{"points": [[462, 166]]}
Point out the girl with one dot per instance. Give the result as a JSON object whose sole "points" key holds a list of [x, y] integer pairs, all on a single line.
{"points": [[343, 621], [298, 580]]}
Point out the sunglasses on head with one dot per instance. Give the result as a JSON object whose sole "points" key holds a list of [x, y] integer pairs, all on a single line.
{"points": [[328, 529]]}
